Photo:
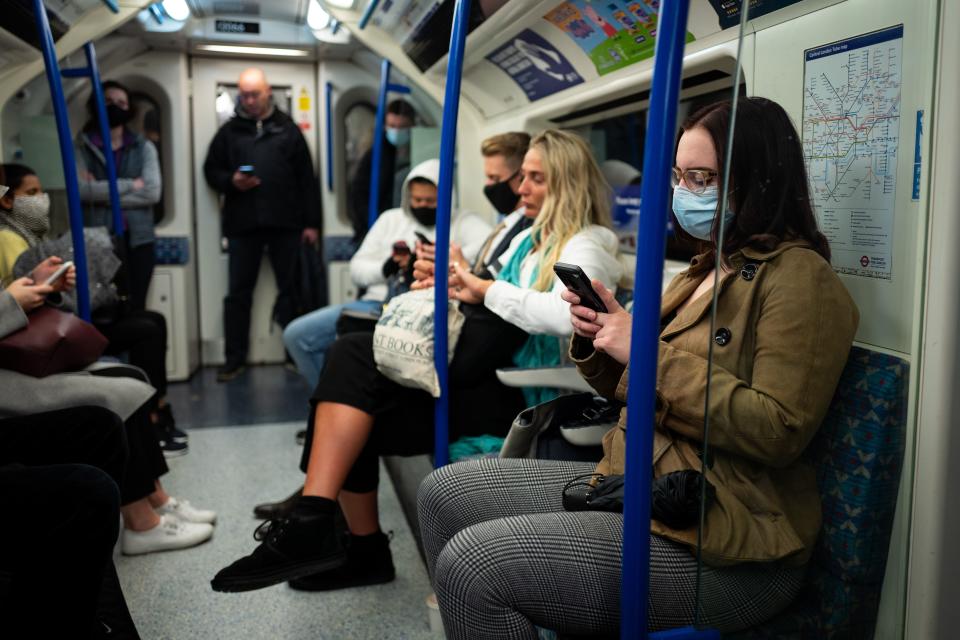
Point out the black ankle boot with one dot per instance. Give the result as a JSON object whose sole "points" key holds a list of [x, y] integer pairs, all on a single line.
{"points": [[299, 545], [277, 510], [369, 561]]}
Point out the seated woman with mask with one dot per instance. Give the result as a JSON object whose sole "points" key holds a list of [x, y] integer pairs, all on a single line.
{"points": [[360, 414], [504, 555]]}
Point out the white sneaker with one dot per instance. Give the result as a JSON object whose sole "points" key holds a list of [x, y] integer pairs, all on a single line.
{"points": [[171, 533], [185, 511]]}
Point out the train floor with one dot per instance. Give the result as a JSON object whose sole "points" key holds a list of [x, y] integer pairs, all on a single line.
{"points": [[234, 463]]}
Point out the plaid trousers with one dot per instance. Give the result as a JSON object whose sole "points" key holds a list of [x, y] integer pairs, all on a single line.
{"points": [[506, 558]]}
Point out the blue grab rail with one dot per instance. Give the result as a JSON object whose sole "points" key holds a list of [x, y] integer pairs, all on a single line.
{"points": [[374, 203], [367, 14], [67, 156], [328, 101], [448, 143], [644, 348]]}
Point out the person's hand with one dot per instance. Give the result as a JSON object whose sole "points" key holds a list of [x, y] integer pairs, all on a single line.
{"points": [[610, 332], [244, 182], [426, 283], [423, 270], [403, 260], [456, 256], [466, 287], [86, 176], [27, 294], [138, 184], [426, 251], [310, 235], [48, 267]]}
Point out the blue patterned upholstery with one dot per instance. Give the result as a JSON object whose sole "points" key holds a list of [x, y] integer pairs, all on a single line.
{"points": [[858, 453], [172, 250]]}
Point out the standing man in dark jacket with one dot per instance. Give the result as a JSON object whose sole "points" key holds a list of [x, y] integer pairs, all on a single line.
{"points": [[260, 163], [394, 166]]}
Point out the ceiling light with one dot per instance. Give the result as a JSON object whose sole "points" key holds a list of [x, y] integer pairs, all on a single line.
{"points": [[317, 18], [253, 51], [343, 4], [176, 9]]}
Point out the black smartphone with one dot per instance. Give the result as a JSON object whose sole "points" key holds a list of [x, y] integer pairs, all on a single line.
{"points": [[578, 282], [424, 239], [246, 169]]}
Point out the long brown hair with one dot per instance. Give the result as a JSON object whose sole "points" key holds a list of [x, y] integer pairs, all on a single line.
{"points": [[769, 192]]}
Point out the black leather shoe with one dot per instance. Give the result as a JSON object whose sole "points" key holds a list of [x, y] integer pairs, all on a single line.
{"points": [[368, 562], [229, 371], [291, 548], [277, 510]]}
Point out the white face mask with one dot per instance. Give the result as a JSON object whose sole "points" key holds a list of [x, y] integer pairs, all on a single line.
{"points": [[33, 212]]}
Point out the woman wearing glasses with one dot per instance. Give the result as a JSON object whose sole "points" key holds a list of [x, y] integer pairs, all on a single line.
{"points": [[503, 553]]}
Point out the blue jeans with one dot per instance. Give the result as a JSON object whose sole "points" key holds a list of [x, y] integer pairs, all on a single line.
{"points": [[308, 337]]}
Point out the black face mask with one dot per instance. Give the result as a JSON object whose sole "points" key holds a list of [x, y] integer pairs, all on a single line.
{"points": [[117, 116], [427, 216], [501, 196]]}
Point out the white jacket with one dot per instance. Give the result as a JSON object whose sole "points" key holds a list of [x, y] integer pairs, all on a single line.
{"points": [[366, 267], [543, 312]]}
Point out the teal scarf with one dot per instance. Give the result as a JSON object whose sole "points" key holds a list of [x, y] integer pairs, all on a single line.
{"points": [[539, 350]]}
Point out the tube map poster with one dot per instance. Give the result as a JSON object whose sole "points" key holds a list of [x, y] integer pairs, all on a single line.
{"points": [[614, 33]]}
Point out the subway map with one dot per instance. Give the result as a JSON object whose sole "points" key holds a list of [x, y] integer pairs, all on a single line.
{"points": [[851, 134]]}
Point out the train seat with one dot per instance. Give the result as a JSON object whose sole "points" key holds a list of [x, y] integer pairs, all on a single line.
{"points": [[858, 454]]}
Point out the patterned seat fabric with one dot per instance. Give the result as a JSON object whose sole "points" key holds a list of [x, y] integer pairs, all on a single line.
{"points": [[858, 453]]}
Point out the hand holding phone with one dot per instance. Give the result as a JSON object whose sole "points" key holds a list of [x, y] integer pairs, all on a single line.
{"points": [[246, 169], [423, 239], [577, 281], [59, 273]]}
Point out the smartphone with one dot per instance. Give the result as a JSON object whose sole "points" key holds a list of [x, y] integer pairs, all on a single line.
{"points": [[578, 282], [246, 169], [59, 273], [424, 239]]}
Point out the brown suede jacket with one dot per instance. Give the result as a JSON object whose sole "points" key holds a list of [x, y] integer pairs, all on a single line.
{"points": [[785, 324]]}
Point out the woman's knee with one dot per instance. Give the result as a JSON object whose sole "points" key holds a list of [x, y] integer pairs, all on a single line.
{"points": [[443, 486]]}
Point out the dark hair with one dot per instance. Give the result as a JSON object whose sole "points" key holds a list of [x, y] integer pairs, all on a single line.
{"points": [[769, 192], [14, 174], [402, 108], [419, 180], [92, 124]]}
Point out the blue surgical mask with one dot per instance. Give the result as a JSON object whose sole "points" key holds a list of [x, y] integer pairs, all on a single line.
{"points": [[398, 137], [695, 212]]}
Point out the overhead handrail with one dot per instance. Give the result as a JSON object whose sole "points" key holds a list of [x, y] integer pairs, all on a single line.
{"points": [[448, 143], [48, 51], [373, 205], [328, 103], [644, 347], [367, 14]]}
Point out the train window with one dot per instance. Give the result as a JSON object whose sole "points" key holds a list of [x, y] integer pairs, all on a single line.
{"points": [[359, 124]]}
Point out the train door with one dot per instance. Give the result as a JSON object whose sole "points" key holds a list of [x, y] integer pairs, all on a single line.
{"points": [[214, 90]]}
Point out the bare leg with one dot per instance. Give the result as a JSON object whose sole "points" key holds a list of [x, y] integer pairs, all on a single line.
{"points": [[139, 515], [339, 435], [159, 497], [360, 510]]}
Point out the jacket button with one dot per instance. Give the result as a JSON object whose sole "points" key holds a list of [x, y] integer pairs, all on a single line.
{"points": [[723, 336], [749, 271]]}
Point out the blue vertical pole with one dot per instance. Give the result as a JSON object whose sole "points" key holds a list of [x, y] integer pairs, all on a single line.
{"points": [[374, 202], [644, 348], [448, 144], [66, 154], [108, 157], [367, 14], [328, 104]]}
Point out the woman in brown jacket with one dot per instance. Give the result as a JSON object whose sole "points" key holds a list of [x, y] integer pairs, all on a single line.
{"points": [[505, 556]]}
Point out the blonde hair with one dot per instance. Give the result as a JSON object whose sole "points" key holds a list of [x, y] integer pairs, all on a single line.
{"points": [[577, 197], [512, 145]]}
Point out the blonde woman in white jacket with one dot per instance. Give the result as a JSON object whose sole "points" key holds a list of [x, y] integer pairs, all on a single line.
{"points": [[380, 256], [359, 414]]}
